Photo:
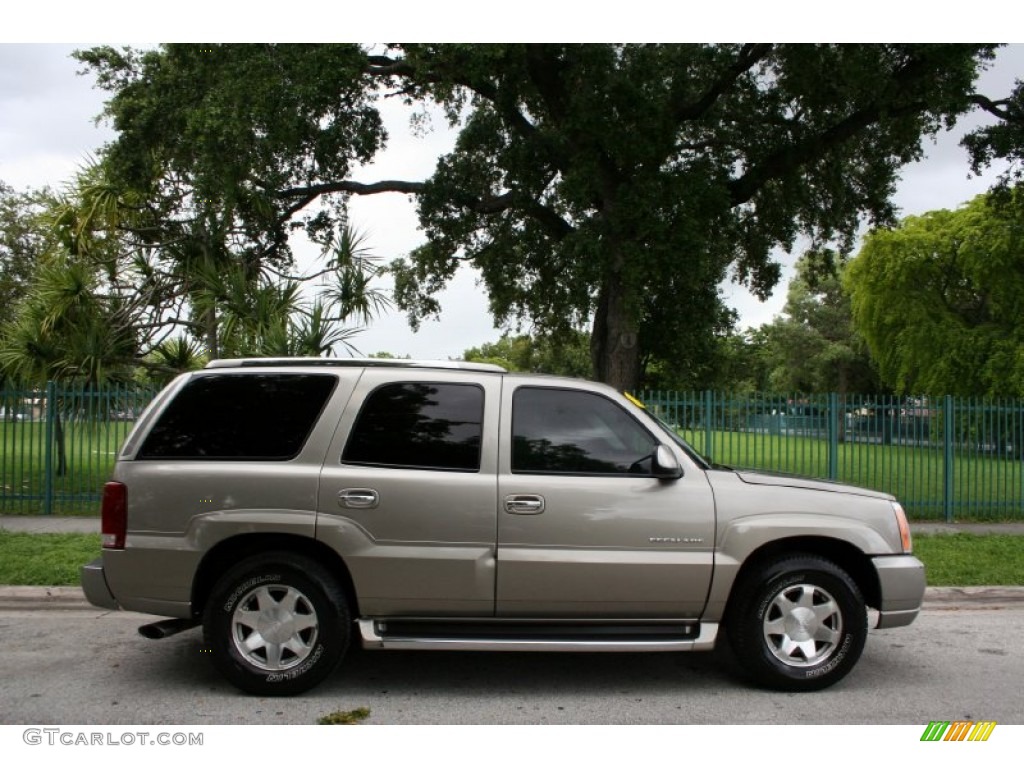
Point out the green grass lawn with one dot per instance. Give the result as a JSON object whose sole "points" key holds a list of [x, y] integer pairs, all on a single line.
{"points": [[969, 560], [962, 559], [46, 559]]}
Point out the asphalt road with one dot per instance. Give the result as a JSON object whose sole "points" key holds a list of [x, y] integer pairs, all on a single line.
{"points": [[959, 660]]}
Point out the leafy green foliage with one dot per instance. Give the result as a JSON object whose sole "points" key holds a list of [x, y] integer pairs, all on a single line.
{"points": [[1002, 140], [65, 329], [537, 354], [814, 346], [939, 299], [24, 239], [122, 282], [621, 182], [615, 185]]}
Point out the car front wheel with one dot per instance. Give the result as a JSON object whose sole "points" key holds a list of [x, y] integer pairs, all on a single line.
{"points": [[797, 624]]}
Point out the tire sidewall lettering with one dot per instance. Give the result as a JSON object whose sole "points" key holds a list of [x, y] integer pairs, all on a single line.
{"points": [[785, 583], [834, 662], [233, 598], [303, 668]]}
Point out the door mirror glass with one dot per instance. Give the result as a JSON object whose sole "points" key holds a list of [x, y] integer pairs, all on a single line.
{"points": [[666, 465]]}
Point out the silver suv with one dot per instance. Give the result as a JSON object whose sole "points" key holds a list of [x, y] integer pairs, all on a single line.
{"points": [[289, 505]]}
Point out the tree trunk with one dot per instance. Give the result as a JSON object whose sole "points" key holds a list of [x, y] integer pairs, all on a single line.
{"points": [[614, 348]]}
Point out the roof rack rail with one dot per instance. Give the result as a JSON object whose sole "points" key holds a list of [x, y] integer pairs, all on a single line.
{"points": [[352, 362]]}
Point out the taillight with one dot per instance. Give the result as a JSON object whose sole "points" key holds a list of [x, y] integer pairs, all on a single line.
{"points": [[115, 515], [904, 526]]}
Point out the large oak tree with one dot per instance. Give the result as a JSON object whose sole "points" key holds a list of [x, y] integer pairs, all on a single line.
{"points": [[615, 185]]}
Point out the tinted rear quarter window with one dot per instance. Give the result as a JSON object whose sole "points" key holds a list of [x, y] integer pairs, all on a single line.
{"points": [[265, 416], [419, 426]]}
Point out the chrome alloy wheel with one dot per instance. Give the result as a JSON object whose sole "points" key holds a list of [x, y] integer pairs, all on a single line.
{"points": [[274, 627], [803, 625]]}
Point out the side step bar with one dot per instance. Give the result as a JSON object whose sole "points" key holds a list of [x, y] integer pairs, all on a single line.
{"points": [[433, 636]]}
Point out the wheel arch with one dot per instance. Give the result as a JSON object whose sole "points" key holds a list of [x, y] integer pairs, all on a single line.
{"points": [[842, 553], [232, 550]]}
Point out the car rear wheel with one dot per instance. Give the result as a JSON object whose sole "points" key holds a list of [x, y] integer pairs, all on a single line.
{"points": [[797, 624], [276, 624]]}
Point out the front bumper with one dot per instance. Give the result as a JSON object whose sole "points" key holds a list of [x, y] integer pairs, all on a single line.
{"points": [[95, 587], [902, 582]]}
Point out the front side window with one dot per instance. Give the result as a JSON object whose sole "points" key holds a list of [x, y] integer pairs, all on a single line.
{"points": [[419, 426], [581, 433], [263, 417]]}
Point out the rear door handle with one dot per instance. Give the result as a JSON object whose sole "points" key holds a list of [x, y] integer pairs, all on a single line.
{"points": [[358, 498], [524, 504]]}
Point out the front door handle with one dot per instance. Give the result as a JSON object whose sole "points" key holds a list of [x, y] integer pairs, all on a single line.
{"points": [[358, 498], [524, 504]]}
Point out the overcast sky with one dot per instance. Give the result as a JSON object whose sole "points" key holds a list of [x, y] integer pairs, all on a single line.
{"points": [[47, 131]]}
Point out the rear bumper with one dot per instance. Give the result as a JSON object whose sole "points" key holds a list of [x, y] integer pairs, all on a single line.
{"points": [[902, 583], [95, 587]]}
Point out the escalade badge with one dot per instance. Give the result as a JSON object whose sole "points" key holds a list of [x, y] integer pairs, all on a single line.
{"points": [[674, 540]]}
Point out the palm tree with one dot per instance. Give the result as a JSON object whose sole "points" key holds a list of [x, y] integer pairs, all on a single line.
{"points": [[66, 330]]}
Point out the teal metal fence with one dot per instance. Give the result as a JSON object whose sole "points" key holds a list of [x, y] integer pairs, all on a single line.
{"points": [[58, 444], [945, 458]]}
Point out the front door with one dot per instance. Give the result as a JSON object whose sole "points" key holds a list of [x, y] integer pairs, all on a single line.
{"points": [[584, 529]]}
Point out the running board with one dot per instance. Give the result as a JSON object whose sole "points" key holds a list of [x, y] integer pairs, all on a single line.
{"points": [[382, 634]]}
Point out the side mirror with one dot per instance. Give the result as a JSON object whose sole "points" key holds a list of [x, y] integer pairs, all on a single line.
{"points": [[666, 465]]}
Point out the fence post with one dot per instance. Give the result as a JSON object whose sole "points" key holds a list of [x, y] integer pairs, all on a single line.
{"points": [[709, 410], [947, 457], [833, 435], [51, 400]]}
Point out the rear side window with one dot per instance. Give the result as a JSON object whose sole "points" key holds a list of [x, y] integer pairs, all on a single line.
{"points": [[265, 416], [419, 426]]}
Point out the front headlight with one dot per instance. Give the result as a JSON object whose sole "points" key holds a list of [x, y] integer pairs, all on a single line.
{"points": [[904, 526]]}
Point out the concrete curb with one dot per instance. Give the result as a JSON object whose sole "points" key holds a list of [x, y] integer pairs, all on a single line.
{"points": [[935, 598], [42, 598], [972, 596]]}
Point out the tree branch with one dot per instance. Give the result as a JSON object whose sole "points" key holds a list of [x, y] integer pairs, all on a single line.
{"points": [[791, 157], [748, 57], [1001, 108], [355, 188]]}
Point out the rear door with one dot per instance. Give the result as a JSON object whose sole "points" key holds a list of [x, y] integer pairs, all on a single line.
{"points": [[408, 492], [585, 529]]}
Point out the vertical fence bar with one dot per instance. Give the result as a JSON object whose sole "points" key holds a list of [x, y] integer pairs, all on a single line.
{"points": [[833, 435], [709, 406], [51, 407], [947, 464]]}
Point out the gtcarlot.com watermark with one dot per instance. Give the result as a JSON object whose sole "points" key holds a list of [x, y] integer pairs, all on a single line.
{"points": [[75, 738]]}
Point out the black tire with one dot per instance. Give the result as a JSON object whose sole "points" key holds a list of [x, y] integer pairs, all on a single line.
{"points": [[276, 624], [797, 624]]}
